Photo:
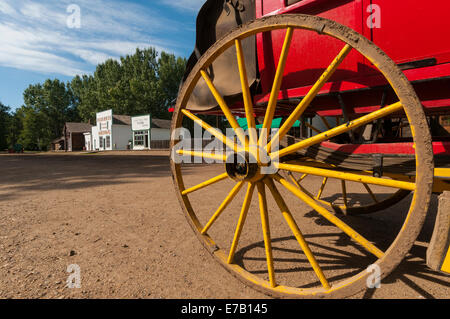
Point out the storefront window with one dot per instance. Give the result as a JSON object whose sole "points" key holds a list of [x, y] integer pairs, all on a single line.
{"points": [[141, 138]]}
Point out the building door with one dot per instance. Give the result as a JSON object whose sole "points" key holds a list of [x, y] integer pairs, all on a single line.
{"points": [[108, 142], [146, 141]]}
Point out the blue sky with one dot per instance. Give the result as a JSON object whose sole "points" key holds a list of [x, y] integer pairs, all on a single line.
{"points": [[37, 42]]}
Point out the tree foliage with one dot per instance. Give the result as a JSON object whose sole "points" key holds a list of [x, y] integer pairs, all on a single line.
{"points": [[47, 108], [15, 127], [5, 120], [137, 84]]}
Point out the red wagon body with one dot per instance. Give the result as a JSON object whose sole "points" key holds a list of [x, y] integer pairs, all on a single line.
{"points": [[413, 33]]}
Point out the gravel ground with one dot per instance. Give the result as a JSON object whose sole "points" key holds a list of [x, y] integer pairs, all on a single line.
{"points": [[116, 216]]}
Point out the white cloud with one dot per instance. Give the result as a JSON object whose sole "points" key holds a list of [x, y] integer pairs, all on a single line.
{"points": [[92, 57], [192, 5], [35, 36], [33, 60], [41, 13], [7, 9]]}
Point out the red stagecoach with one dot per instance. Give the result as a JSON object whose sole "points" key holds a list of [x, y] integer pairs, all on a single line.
{"points": [[369, 83]]}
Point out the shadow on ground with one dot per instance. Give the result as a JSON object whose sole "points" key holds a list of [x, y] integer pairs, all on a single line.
{"points": [[22, 174]]}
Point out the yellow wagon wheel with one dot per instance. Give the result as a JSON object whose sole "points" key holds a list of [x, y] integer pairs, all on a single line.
{"points": [[246, 173]]}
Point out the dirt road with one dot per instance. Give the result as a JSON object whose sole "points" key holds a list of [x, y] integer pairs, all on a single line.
{"points": [[117, 217]]}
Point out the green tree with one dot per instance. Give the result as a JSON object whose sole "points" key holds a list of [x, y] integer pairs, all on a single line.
{"points": [[5, 122], [15, 127], [85, 96], [36, 133], [47, 108], [171, 71], [139, 83]]}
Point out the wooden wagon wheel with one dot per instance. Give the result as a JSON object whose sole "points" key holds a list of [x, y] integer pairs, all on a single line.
{"points": [[248, 173]]}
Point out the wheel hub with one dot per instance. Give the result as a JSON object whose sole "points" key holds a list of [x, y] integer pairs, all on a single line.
{"points": [[243, 167]]}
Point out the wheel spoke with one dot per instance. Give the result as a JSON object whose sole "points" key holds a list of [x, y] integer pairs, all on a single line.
{"points": [[272, 104], [325, 122], [242, 218], [216, 133], [225, 109], [297, 183], [347, 176], [222, 206], [306, 101], [248, 103], [371, 193], [339, 130], [322, 187], [266, 232], [297, 180], [330, 217], [302, 178], [304, 190], [297, 233], [313, 128], [205, 184], [214, 156], [344, 193]]}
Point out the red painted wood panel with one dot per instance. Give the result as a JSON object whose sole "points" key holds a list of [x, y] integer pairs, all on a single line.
{"points": [[310, 52], [410, 30], [439, 148], [414, 29]]}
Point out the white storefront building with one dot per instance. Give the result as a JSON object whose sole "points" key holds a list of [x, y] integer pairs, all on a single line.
{"points": [[141, 127], [112, 132], [88, 141], [123, 132], [147, 129]]}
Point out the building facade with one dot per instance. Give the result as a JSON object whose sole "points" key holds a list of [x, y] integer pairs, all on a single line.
{"points": [[141, 131], [73, 135], [150, 133], [112, 132], [123, 132]]}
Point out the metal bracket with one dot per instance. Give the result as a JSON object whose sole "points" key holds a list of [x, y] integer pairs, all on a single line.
{"points": [[378, 165]]}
